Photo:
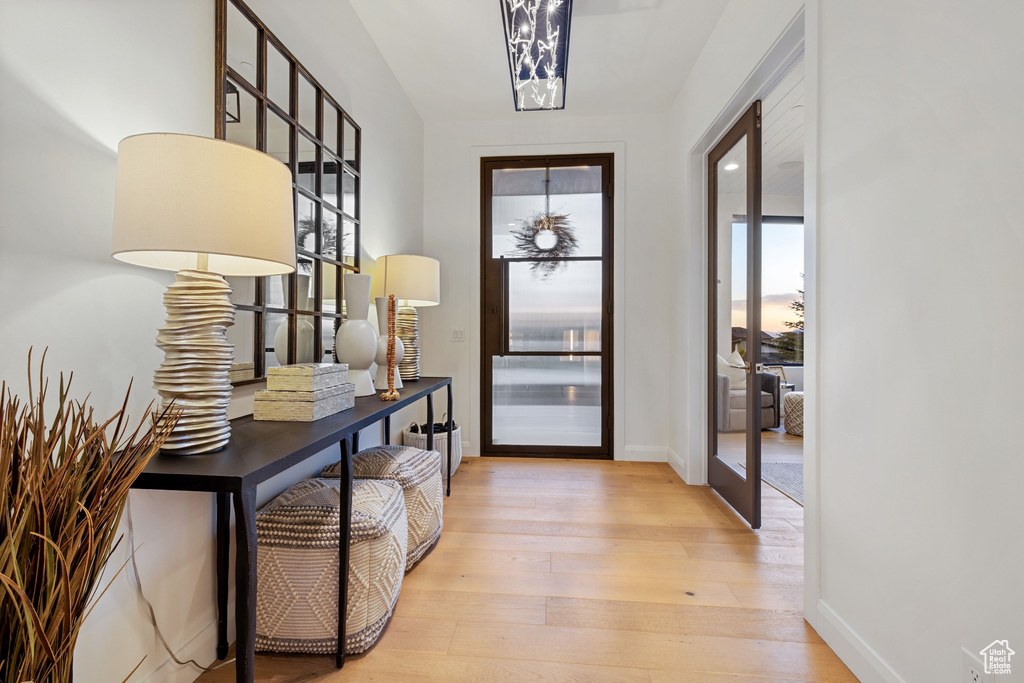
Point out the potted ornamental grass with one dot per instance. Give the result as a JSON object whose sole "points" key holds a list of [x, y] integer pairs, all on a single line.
{"points": [[65, 474]]}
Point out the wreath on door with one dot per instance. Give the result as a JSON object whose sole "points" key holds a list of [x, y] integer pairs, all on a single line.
{"points": [[545, 236]]}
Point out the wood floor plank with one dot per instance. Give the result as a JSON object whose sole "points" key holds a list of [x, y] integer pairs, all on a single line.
{"points": [[552, 543], [605, 647], [418, 634], [681, 569], [756, 596], [639, 589], [599, 515], [496, 559], [494, 607], [386, 666], [681, 619], [737, 552]]}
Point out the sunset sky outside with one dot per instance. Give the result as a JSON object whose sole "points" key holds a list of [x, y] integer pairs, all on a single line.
{"points": [[782, 263]]}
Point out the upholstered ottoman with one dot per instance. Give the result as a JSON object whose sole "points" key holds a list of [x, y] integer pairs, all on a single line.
{"points": [[793, 407], [297, 566], [419, 473]]}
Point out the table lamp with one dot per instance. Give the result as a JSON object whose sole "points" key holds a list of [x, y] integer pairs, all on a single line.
{"points": [[414, 281], [204, 208]]}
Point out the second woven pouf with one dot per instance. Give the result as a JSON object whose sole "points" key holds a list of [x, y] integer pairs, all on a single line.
{"points": [[419, 473], [297, 566]]}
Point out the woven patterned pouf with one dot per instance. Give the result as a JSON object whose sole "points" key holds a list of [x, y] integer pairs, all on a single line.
{"points": [[297, 566], [793, 406], [419, 473]]}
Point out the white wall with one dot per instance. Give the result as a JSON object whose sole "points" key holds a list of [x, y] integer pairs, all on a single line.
{"points": [[921, 477], [644, 269], [75, 78]]}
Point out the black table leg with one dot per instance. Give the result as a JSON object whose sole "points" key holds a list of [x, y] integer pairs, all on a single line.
{"points": [[355, 442], [344, 540], [245, 584], [387, 430], [430, 422], [451, 422], [223, 546]]}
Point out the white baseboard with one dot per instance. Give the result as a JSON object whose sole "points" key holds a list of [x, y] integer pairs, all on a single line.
{"points": [[865, 663], [677, 464], [645, 453], [200, 647]]}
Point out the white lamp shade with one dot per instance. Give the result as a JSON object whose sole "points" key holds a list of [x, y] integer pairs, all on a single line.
{"points": [[414, 279], [179, 196]]}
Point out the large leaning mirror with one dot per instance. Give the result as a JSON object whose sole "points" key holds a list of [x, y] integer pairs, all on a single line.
{"points": [[267, 100]]}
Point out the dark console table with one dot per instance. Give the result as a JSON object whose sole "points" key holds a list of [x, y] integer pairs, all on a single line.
{"points": [[258, 451]]}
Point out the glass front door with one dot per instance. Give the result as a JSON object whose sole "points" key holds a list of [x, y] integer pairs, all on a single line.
{"points": [[546, 362]]}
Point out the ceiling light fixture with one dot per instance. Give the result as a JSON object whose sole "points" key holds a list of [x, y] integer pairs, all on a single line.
{"points": [[731, 166], [537, 38]]}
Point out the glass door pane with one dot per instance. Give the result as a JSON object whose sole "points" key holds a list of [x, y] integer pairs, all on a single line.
{"points": [[731, 342]]}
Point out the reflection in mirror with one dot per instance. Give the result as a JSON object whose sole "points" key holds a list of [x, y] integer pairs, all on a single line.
{"points": [[307, 105], [351, 143], [329, 247], [279, 135], [329, 288], [243, 290], [241, 44], [274, 322], [348, 188], [330, 138], [277, 291], [348, 242], [241, 335], [304, 334], [305, 237], [242, 131], [307, 163], [330, 179], [278, 78]]}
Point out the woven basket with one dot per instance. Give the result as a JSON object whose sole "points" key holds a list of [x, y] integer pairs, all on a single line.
{"points": [[419, 440]]}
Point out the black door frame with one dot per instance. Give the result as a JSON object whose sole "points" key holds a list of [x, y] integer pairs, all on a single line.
{"points": [[492, 308], [743, 494]]}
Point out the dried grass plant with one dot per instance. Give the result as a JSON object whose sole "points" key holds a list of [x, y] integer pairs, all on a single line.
{"points": [[63, 487]]}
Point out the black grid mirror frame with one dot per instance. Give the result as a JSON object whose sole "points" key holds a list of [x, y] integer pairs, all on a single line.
{"points": [[266, 99]]}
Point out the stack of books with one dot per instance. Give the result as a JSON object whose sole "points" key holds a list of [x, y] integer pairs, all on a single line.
{"points": [[305, 392]]}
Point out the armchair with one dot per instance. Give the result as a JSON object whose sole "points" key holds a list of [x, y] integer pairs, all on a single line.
{"points": [[731, 404]]}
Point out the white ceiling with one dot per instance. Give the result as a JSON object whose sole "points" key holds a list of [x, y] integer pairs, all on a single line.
{"points": [[625, 56], [782, 142]]}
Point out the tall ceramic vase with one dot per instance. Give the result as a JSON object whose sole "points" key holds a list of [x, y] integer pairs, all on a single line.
{"points": [[356, 341]]}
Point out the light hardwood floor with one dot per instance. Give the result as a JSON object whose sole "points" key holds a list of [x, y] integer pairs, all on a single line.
{"points": [[569, 570]]}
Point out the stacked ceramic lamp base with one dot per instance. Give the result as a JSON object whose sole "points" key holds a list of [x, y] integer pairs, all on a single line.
{"points": [[304, 392], [194, 377], [407, 329]]}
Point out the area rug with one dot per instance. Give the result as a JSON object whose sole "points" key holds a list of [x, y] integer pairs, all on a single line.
{"points": [[787, 477]]}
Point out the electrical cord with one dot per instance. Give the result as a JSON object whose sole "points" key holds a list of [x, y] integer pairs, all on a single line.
{"points": [[149, 605]]}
